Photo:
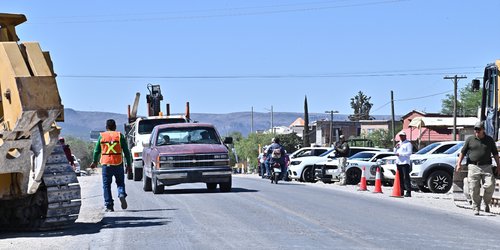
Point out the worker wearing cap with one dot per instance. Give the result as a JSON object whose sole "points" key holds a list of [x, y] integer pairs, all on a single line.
{"points": [[403, 150], [109, 151], [342, 152], [479, 149]]}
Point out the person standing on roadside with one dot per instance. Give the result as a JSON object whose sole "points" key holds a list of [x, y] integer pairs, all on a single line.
{"points": [[479, 149], [342, 152], [403, 150], [67, 152], [109, 150]]}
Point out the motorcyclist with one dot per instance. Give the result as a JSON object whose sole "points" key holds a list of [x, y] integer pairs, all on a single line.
{"points": [[276, 153]]}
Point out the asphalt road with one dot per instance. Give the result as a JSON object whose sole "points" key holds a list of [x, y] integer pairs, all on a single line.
{"points": [[261, 215]]}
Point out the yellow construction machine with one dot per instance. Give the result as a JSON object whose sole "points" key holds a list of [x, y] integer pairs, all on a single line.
{"points": [[38, 187], [489, 113]]}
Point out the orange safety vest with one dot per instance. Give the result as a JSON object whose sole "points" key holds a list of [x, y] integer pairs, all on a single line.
{"points": [[111, 149]]}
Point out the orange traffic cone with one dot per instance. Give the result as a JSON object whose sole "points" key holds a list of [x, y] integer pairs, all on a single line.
{"points": [[378, 183], [362, 184], [396, 188]]}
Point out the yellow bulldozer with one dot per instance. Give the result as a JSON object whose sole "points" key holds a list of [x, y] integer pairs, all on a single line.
{"points": [[38, 187]]}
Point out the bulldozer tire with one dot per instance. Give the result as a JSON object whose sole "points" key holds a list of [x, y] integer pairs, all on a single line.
{"points": [[55, 205]]}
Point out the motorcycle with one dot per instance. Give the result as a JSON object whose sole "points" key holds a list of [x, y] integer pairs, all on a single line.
{"points": [[275, 172]]}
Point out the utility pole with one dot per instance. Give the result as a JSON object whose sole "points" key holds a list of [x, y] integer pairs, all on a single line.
{"points": [[455, 82], [392, 120], [331, 124]]}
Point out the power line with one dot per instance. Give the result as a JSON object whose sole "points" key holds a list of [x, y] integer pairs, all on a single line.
{"points": [[265, 12], [338, 75], [409, 99]]}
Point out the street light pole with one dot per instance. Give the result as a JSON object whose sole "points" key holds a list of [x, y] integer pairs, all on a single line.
{"points": [[331, 124]]}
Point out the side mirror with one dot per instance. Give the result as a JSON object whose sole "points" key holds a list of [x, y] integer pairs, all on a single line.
{"points": [[145, 144], [476, 84], [228, 140]]}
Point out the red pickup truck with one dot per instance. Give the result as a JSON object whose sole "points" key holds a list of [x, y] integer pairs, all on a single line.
{"points": [[186, 153]]}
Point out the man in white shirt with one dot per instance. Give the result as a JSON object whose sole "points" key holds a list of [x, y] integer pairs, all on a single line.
{"points": [[403, 150]]}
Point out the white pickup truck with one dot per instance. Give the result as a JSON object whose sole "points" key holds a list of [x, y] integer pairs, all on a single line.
{"points": [[140, 132]]}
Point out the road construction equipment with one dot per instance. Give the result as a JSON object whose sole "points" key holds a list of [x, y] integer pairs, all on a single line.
{"points": [[38, 187], [489, 113], [138, 129]]}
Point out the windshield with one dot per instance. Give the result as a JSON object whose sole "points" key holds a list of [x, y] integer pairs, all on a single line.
{"points": [[362, 156], [455, 148], [327, 152], [198, 135], [146, 126], [427, 148]]}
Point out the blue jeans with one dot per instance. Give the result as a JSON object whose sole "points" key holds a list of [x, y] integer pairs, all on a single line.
{"points": [[107, 178]]}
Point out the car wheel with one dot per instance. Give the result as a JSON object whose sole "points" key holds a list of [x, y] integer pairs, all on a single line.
{"points": [[306, 175], [211, 186], [423, 188], [137, 174], [353, 176], [157, 187], [226, 186], [146, 182], [439, 181]]}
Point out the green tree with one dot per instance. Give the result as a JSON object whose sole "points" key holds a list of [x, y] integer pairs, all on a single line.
{"points": [[305, 135], [289, 141], [381, 138], [248, 148], [82, 150], [361, 106], [468, 102]]}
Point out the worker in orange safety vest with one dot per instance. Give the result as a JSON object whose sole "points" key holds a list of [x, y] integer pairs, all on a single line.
{"points": [[109, 150]]}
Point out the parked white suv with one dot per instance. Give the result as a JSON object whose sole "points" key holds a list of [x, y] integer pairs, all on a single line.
{"points": [[309, 151], [302, 169], [329, 171], [389, 164], [434, 172]]}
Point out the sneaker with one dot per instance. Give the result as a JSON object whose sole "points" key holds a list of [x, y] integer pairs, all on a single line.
{"points": [[124, 202], [476, 211], [109, 209], [487, 208]]}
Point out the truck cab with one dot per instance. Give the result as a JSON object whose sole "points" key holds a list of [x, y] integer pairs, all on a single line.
{"points": [[186, 153], [139, 132]]}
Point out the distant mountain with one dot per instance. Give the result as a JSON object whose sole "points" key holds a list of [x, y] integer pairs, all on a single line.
{"points": [[80, 123]]}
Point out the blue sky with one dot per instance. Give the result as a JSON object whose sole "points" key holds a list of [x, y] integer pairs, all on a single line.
{"points": [[229, 56]]}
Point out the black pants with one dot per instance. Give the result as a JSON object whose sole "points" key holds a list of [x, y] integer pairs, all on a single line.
{"points": [[404, 177]]}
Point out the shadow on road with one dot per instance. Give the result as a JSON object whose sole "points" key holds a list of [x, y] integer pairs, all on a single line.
{"points": [[206, 191], [80, 228]]}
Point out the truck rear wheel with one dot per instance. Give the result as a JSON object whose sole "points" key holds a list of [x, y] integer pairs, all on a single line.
{"points": [[137, 174]]}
